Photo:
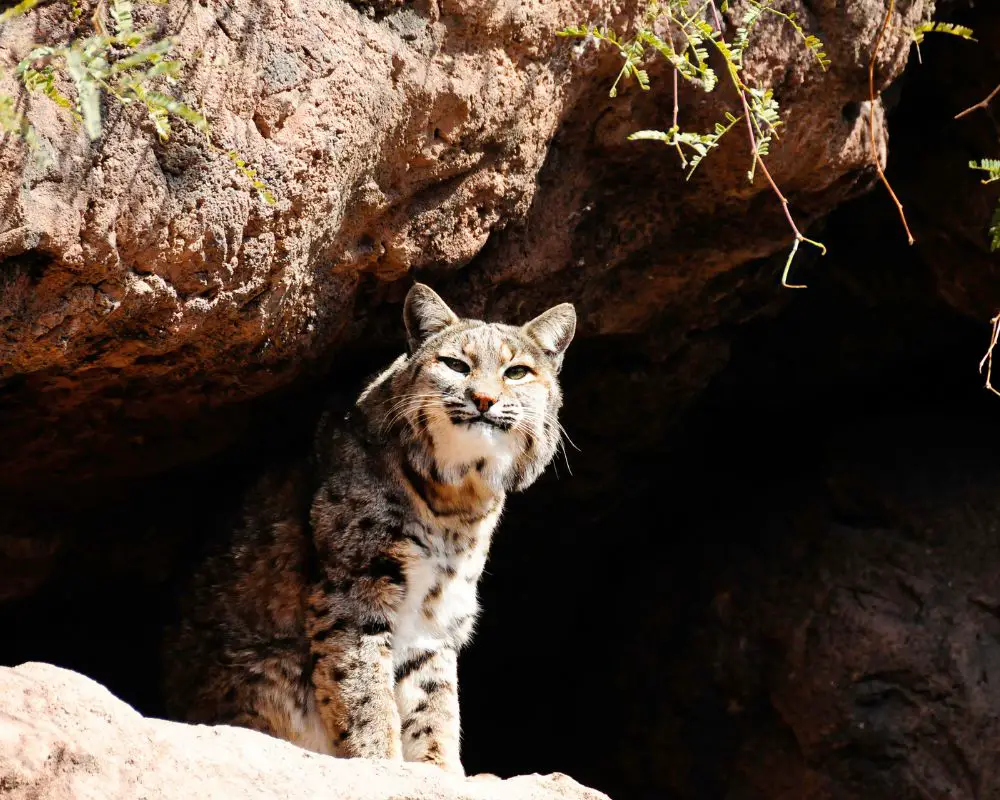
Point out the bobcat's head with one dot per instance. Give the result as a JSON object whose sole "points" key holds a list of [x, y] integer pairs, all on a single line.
{"points": [[474, 395]]}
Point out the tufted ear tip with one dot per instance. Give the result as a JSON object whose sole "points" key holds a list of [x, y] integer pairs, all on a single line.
{"points": [[554, 329], [424, 314]]}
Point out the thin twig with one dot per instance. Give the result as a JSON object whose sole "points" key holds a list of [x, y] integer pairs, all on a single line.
{"points": [[676, 107], [871, 116], [799, 238], [676, 125], [981, 104], [988, 358]]}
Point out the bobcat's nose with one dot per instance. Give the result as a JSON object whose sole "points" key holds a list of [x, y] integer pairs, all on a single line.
{"points": [[483, 401]]}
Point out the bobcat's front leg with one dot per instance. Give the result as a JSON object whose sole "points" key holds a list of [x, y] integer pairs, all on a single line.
{"points": [[427, 696], [352, 675]]}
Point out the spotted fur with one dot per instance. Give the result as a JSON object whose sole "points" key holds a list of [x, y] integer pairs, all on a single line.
{"points": [[333, 612]]}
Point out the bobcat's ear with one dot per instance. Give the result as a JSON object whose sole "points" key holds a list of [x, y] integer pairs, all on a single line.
{"points": [[424, 314], [553, 331]]}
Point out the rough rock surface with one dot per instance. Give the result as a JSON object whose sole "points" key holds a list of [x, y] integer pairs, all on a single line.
{"points": [[146, 292], [64, 737]]}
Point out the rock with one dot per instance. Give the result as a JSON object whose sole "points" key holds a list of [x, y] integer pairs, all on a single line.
{"points": [[65, 737], [147, 295]]}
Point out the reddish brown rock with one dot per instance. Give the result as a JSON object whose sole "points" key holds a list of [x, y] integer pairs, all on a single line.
{"points": [[147, 292]]}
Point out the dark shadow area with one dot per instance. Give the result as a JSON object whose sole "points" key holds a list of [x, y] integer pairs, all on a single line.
{"points": [[601, 647]]}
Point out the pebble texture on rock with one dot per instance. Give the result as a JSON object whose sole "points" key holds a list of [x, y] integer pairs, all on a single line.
{"points": [[64, 737]]}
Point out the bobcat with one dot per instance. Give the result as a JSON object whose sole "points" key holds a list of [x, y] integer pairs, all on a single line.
{"points": [[333, 612]]}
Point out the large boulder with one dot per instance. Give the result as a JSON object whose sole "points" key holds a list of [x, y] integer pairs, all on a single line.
{"points": [[147, 293], [64, 737]]}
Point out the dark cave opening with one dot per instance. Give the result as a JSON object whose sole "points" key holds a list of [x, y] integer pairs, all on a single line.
{"points": [[615, 609]]}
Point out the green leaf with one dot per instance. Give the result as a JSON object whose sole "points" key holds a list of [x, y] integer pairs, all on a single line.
{"points": [[251, 174], [991, 166], [701, 144], [741, 40], [656, 136], [584, 31], [149, 55], [88, 98], [121, 14], [161, 121], [19, 9], [680, 62], [941, 27], [43, 81], [581, 32], [179, 109], [13, 122], [812, 43]]}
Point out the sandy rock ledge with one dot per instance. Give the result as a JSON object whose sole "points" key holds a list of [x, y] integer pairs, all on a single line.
{"points": [[64, 736]]}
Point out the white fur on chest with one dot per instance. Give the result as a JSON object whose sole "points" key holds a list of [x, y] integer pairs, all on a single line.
{"points": [[458, 446], [422, 625]]}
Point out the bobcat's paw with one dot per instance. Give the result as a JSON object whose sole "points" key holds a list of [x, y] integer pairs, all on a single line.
{"points": [[450, 765]]}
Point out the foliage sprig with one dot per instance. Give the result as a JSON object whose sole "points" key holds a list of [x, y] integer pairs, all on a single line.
{"points": [[933, 26], [684, 40], [113, 60]]}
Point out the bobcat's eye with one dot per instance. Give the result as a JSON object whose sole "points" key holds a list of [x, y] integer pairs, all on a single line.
{"points": [[516, 373], [455, 364]]}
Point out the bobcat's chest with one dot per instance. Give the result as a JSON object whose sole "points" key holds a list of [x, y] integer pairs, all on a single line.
{"points": [[440, 603]]}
